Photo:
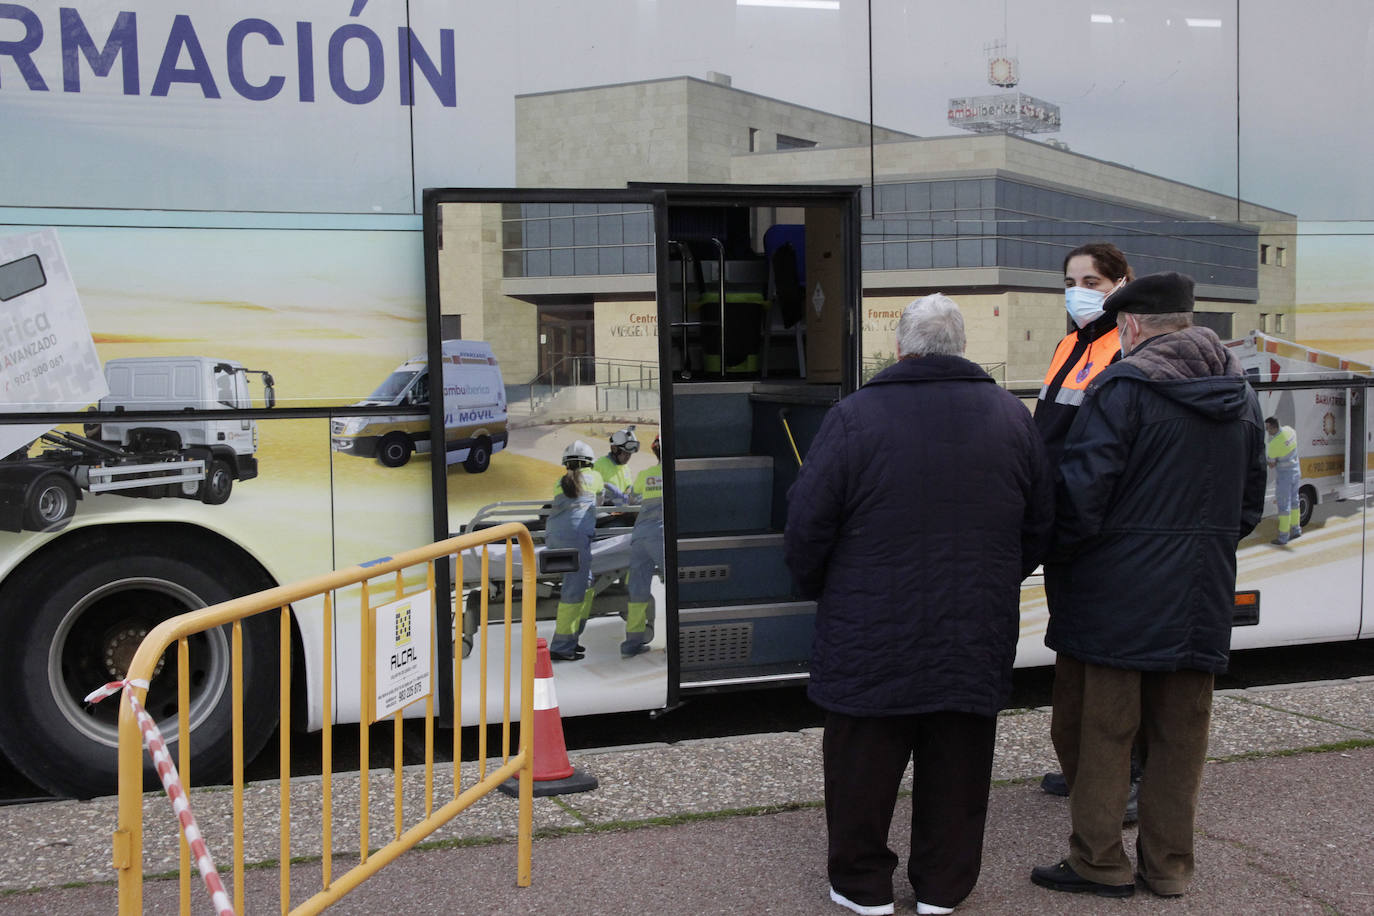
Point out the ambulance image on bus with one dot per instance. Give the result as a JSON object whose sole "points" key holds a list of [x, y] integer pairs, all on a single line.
{"points": [[1330, 422], [474, 411]]}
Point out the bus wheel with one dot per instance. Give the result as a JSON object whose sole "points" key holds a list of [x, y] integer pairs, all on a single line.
{"points": [[479, 456], [218, 483], [394, 450], [79, 630], [51, 504], [1307, 501]]}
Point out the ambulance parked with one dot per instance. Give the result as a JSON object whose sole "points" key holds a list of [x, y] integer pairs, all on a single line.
{"points": [[474, 411], [1334, 442]]}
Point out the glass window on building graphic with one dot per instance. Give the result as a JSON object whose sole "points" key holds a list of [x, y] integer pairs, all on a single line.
{"points": [[1219, 323], [786, 142]]}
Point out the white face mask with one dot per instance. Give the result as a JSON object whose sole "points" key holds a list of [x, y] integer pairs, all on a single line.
{"points": [[1083, 304]]}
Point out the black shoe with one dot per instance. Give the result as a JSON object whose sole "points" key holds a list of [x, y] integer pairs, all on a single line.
{"points": [[575, 655], [1055, 784], [1062, 878]]}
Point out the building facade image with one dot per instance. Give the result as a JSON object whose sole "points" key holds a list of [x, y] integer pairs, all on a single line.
{"points": [[985, 218]]}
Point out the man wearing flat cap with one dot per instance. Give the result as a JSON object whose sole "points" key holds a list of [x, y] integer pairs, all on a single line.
{"points": [[1163, 473]]}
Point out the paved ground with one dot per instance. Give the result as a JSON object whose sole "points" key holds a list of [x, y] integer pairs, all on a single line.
{"points": [[735, 826]]}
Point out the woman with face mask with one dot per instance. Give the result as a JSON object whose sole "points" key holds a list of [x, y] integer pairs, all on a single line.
{"points": [[1092, 272]]}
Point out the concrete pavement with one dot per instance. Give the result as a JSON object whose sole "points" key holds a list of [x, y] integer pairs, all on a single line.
{"points": [[735, 826]]}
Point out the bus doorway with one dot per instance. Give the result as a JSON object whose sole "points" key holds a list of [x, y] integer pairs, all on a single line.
{"points": [[763, 289], [560, 288], [722, 319]]}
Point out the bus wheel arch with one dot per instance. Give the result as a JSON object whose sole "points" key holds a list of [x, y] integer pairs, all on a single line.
{"points": [[83, 632]]}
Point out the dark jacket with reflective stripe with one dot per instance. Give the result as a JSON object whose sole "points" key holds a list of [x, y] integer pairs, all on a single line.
{"points": [[923, 502], [1163, 473], [1078, 359]]}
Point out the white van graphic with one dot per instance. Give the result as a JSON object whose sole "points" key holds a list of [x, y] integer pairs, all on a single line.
{"points": [[474, 411]]}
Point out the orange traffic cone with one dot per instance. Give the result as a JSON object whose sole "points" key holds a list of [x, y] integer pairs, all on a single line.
{"points": [[554, 774]]}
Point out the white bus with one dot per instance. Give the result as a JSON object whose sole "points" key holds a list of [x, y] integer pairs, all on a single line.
{"points": [[697, 218]]}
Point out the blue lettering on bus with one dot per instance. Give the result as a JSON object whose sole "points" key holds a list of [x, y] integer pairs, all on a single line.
{"points": [[237, 78], [21, 51], [442, 79], [254, 71], [305, 61], [468, 416], [375, 77], [183, 35], [122, 43]]}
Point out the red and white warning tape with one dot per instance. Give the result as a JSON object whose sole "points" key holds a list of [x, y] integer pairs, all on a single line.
{"points": [[171, 782]]}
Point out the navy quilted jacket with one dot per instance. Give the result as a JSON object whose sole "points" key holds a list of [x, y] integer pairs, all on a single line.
{"points": [[923, 502]]}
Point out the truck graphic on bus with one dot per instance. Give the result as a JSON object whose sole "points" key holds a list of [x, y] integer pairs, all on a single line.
{"points": [[191, 459]]}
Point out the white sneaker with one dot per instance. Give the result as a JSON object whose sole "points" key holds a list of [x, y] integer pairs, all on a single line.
{"points": [[930, 909], [882, 909]]}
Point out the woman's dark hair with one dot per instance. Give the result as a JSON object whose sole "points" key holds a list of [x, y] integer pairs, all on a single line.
{"points": [[571, 482], [1107, 258]]}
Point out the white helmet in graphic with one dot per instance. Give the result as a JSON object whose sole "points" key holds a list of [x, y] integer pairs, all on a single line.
{"points": [[578, 455], [624, 439]]}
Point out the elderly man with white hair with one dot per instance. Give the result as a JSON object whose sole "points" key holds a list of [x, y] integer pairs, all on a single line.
{"points": [[923, 502]]}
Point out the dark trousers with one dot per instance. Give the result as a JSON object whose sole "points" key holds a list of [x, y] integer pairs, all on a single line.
{"points": [[1098, 712], [864, 759]]}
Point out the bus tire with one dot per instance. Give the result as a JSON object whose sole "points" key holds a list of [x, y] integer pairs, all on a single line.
{"points": [[394, 450], [73, 616], [50, 504], [1307, 501], [479, 456], [218, 482]]}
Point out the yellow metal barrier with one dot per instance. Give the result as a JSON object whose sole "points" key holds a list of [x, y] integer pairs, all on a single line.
{"points": [[128, 839]]}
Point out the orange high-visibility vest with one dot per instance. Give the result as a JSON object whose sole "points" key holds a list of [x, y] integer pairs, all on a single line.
{"points": [[1075, 365]]}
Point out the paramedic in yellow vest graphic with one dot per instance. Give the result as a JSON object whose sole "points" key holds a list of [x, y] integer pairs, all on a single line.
{"points": [[646, 556], [572, 523], [615, 476], [1282, 453]]}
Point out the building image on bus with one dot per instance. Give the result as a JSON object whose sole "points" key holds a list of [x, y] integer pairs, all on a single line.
{"points": [[698, 222]]}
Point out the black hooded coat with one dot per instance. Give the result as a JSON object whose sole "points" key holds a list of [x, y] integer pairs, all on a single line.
{"points": [[1163, 473]]}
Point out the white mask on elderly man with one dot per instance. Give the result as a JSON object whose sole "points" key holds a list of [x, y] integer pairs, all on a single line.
{"points": [[1083, 304]]}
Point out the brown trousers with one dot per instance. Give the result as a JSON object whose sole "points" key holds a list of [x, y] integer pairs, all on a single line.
{"points": [[1098, 712]]}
